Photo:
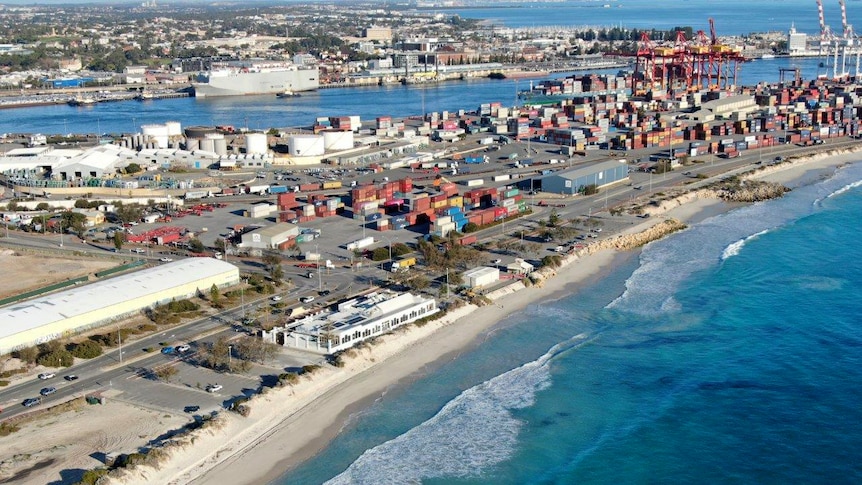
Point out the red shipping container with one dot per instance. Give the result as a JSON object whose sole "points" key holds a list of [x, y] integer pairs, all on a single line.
{"points": [[466, 240]]}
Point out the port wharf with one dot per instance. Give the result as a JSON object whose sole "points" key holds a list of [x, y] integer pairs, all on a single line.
{"points": [[128, 92]]}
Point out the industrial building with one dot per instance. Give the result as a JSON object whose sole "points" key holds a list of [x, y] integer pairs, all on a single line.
{"points": [[481, 276], [352, 322], [574, 181], [90, 306], [269, 237]]}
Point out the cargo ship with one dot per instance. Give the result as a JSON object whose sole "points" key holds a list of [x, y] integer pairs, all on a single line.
{"points": [[242, 78]]}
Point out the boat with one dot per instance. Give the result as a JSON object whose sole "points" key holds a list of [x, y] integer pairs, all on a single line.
{"points": [[237, 78], [768, 56], [287, 94], [81, 101]]}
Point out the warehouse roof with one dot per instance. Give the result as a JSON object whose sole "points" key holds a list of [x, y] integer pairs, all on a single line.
{"points": [[31, 314], [589, 169], [275, 230]]}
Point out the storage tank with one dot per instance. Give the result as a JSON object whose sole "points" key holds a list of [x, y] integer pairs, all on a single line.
{"points": [[174, 128], [208, 145], [256, 143], [306, 145], [199, 131], [337, 140], [192, 144], [157, 134], [219, 143]]}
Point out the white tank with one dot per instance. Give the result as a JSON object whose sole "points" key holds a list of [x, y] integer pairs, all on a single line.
{"points": [[337, 140], [208, 145], [220, 145], [192, 144], [157, 134], [174, 128], [256, 144], [306, 145]]}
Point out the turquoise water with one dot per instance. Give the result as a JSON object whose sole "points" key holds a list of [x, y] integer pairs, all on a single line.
{"points": [[728, 353]]}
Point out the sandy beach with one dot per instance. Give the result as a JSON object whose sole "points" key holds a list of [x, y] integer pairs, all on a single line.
{"points": [[291, 424]]}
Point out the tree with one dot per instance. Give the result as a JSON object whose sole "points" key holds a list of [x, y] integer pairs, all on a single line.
{"points": [[27, 354], [133, 168], [166, 373], [42, 206], [418, 282], [273, 264], [215, 296], [87, 349], [196, 246], [130, 212], [119, 239], [471, 227], [554, 218]]}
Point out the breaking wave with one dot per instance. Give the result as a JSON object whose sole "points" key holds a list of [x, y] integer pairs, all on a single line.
{"points": [[734, 248], [470, 433], [667, 263]]}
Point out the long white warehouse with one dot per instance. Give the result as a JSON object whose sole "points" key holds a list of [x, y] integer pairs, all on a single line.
{"points": [[71, 311]]}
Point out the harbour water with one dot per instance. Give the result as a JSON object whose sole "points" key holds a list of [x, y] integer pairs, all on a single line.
{"points": [[727, 353], [264, 112]]}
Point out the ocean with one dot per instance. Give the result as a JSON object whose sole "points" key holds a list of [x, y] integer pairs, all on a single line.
{"points": [[726, 353], [732, 17]]}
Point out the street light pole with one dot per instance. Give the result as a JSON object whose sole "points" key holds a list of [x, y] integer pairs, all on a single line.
{"points": [[229, 356], [120, 342], [319, 276]]}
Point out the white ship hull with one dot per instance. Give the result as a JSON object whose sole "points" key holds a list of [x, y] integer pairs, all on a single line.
{"points": [[270, 82]]}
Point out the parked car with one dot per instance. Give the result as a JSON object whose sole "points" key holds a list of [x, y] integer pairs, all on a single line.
{"points": [[47, 375], [214, 388], [165, 260], [33, 401], [47, 391], [191, 409], [307, 299], [182, 348], [276, 298], [71, 377], [324, 292]]}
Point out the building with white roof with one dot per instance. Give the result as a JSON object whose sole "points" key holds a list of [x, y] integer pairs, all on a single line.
{"points": [[65, 313], [481, 276], [353, 321]]}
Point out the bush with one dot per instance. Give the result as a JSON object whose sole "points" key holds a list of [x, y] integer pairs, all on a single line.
{"points": [[7, 428], [309, 369], [57, 358], [147, 327], [91, 477], [4, 383], [87, 349], [27, 354], [288, 378]]}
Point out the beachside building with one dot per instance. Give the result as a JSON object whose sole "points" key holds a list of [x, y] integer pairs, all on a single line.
{"points": [[519, 266], [352, 322], [481, 276]]}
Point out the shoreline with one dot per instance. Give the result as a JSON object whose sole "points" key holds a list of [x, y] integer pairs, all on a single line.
{"points": [[292, 424]]}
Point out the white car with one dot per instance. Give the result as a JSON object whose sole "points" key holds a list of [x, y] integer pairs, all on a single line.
{"points": [[497, 261], [276, 298], [46, 375], [214, 388], [165, 260], [307, 299], [182, 348]]}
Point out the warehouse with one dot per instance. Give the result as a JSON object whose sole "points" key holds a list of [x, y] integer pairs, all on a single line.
{"points": [[89, 306], [353, 321], [269, 237], [575, 181], [481, 276]]}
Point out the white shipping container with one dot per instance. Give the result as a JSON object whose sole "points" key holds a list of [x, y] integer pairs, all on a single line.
{"points": [[309, 256], [475, 182], [361, 243], [500, 178]]}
